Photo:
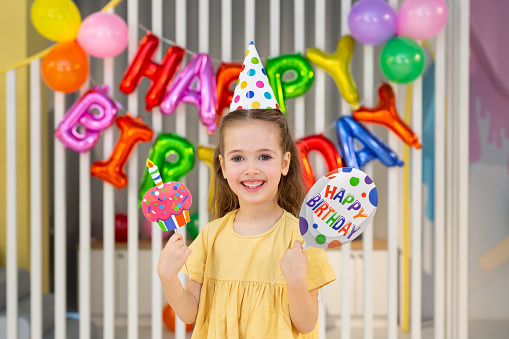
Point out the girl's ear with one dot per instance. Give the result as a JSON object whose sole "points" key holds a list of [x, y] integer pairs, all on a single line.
{"points": [[286, 163], [222, 165]]}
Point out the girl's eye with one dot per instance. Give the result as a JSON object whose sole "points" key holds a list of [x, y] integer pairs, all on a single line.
{"points": [[265, 157], [237, 158]]}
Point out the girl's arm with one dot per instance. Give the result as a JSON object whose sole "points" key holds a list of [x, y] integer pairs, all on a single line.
{"points": [[303, 307], [183, 301], [303, 303]]}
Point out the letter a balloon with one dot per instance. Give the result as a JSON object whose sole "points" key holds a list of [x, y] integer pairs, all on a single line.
{"points": [[338, 208]]}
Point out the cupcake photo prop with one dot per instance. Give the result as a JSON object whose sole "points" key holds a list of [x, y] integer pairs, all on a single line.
{"points": [[253, 89], [168, 203], [338, 208]]}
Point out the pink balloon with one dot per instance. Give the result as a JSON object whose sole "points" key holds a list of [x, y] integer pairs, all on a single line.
{"points": [[421, 19], [204, 97], [103, 35]]}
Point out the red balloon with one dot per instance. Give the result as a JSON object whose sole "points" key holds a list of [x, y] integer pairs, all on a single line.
{"points": [[132, 131], [385, 113], [322, 145], [160, 74], [65, 67], [120, 228], [227, 75], [169, 319]]}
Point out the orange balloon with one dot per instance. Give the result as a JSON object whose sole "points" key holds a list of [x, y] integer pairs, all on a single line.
{"points": [[385, 114], [65, 67], [169, 319]]}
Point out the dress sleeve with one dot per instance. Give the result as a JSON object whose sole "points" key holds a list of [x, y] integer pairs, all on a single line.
{"points": [[198, 258], [320, 271]]}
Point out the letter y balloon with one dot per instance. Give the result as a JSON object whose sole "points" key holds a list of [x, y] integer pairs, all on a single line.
{"points": [[338, 208]]}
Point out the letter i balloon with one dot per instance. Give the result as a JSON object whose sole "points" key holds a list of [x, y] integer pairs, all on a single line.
{"points": [[167, 203]]}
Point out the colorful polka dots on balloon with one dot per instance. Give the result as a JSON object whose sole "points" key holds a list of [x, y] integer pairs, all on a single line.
{"points": [[338, 208], [253, 90]]}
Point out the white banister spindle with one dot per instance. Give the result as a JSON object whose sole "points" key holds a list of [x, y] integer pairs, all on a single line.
{"points": [[367, 237], [203, 139], [109, 218], [346, 250], [320, 74], [439, 272], [132, 187], [416, 215], [300, 47], [157, 234], [249, 19], [60, 223], [463, 164], [35, 202], [180, 122], [275, 27], [11, 205], [393, 213], [84, 234]]}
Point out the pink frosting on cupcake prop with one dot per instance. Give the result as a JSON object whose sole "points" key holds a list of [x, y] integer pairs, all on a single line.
{"points": [[168, 206]]}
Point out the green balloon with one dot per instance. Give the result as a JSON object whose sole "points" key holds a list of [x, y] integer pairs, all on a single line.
{"points": [[402, 60], [193, 226], [165, 145]]}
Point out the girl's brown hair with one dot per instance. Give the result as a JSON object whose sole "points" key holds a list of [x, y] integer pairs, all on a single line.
{"points": [[290, 192]]}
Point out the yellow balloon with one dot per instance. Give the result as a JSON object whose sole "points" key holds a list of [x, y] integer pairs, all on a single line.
{"points": [[206, 154], [338, 66], [57, 20]]}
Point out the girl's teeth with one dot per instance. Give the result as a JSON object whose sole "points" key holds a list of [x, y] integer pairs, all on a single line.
{"points": [[253, 184]]}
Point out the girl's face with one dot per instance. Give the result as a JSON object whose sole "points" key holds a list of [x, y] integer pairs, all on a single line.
{"points": [[253, 161]]}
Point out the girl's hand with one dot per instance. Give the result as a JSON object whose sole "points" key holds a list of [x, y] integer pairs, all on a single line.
{"points": [[294, 264], [173, 257]]}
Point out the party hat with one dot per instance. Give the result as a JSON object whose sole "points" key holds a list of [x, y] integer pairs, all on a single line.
{"points": [[253, 89]]}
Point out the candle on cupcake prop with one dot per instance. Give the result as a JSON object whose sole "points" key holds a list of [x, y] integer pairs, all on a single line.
{"points": [[167, 203]]}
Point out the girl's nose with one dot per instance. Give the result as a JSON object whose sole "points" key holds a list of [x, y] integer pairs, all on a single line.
{"points": [[251, 168]]}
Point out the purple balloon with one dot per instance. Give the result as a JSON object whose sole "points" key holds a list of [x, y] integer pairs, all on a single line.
{"points": [[204, 97], [372, 22], [92, 124]]}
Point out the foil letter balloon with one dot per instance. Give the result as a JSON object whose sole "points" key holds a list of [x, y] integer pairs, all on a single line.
{"points": [[338, 208], [385, 114], [167, 203], [166, 145], [325, 147], [338, 66], [227, 76], [374, 148], [206, 154], [81, 114], [199, 68], [300, 84], [143, 66], [132, 131]]}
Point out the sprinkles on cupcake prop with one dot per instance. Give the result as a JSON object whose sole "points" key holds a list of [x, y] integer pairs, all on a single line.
{"points": [[167, 203]]}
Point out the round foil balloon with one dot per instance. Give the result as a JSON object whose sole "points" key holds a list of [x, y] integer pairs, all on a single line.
{"points": [[338, 208]]}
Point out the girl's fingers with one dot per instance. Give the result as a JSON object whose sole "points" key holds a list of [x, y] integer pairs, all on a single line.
{"points": [[175, 237]]}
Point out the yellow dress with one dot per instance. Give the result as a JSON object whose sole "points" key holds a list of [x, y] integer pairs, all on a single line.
{"points": [[237, 300]]}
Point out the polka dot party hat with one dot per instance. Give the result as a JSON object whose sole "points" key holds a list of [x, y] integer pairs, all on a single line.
{"points": [[253, 89]]}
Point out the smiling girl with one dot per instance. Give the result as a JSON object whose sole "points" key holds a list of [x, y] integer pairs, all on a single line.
{"points": [[258, 192], [255, 236]]}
